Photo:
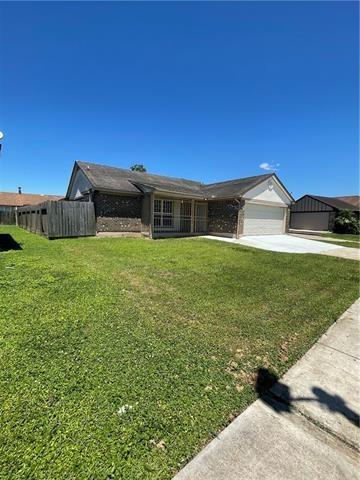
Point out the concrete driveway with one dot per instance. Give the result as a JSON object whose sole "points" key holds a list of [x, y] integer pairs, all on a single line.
{"points": [[291, 244]]}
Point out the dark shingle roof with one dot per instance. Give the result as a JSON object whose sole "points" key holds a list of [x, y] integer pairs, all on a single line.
{"points": [[113, 178], [234, 188], [126, 181], [334, 202]]}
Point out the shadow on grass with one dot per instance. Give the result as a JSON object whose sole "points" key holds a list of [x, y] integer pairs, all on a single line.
{"points": [[8, 243], [278, 396]]}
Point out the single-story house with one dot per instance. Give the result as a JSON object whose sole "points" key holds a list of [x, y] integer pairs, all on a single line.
{"points": [[159, 206], [10, 201], [354, 200], [313, 212], [19, 199]]}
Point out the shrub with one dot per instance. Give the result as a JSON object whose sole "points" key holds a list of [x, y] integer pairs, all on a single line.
{"points": [[347, 222]]}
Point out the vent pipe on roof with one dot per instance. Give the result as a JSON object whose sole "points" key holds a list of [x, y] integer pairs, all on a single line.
{"points": [[19, 190]]}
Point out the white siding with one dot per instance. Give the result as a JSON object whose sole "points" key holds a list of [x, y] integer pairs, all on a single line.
{"points": [[263, 219], [79, 185], [269, 191]]}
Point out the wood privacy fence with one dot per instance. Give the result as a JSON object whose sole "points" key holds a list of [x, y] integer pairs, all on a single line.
{"points": [[7, 215], [59, 219]]}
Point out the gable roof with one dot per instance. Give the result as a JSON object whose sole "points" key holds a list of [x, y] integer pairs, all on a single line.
{"points": [[105, 178], [334, 202], [234, 188], [11, 199]]}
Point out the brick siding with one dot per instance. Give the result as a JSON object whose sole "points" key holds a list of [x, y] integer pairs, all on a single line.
{"points": [[223, 217], [116, 213]]}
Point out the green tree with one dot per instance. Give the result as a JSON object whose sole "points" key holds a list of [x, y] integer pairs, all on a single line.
{"points": [[138, 168]]}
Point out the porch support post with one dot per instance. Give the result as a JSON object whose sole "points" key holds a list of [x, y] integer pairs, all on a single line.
{"points": [[240, 222], [192, 227], [151, 226]]}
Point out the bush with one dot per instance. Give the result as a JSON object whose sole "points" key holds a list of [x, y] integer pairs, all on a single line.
{"points": [[347, 222]]}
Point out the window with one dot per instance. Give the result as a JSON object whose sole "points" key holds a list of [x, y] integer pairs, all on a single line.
{"points": [[163, 213]]}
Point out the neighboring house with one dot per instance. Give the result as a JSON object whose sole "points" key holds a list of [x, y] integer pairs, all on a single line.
{"points": [[354, 200], [154, 205], [11, 199], [312, 212]]}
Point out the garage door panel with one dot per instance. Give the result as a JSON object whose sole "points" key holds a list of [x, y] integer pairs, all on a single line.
{"points": [[263, 220], [310, 220]]}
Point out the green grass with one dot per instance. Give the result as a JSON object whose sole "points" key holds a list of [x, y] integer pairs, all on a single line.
{"points": [[175, 328], [342, 236], [344, 244]]}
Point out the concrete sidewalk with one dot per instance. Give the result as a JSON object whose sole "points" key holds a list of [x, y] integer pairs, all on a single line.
{"points": [[305, 427]]}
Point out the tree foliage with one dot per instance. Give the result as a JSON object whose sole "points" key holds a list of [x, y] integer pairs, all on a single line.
{"points": [[347, 222], [138, 168]]}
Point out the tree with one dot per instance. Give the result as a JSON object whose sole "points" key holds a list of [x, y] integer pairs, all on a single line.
{"points": [[138, 168], [346, 222]]}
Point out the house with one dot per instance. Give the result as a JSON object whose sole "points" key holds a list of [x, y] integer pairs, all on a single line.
{"points": [[19, 199], [313, 212], [159, 206], [354, 200], [10, 201]]}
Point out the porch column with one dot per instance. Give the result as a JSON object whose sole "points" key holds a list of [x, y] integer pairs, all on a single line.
{"points": [[192, 227], [240, 223], [151, 226]]}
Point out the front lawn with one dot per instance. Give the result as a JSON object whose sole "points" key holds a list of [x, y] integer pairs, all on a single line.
{"points": [[121, 358], [343, 244], [342, 236]]}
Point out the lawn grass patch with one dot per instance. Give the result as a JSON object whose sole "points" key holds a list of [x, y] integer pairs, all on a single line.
{"points": [[122, 357], [342, 236], [347, 244]]}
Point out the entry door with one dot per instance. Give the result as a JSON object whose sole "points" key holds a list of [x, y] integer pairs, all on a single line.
{"points": [[200, 217]]}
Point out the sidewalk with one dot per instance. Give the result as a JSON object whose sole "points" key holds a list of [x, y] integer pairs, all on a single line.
{"points": [[305, 427]]}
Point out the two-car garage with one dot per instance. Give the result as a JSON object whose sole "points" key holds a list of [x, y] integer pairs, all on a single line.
{"points": [[264, 219], [265, 209]]}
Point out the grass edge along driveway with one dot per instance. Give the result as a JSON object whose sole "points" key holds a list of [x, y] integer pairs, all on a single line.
{"points": [[121, 358]]}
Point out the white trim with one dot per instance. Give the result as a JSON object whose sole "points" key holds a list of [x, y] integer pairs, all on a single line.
{"points": [[265, 202]]}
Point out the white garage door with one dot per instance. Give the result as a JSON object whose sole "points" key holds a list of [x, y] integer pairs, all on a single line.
{"points": [[263, 219]]}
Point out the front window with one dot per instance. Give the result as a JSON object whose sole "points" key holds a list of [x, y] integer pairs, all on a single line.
{"points": [[163, 213]]}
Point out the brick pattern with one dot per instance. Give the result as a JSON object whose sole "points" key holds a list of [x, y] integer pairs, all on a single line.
{"points": [[223, 216], [116, 213]]}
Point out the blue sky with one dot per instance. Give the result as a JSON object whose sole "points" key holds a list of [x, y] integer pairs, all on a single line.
{"points": [[207, 91]]}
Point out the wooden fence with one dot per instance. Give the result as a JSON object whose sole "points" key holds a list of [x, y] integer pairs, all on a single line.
{"points": [[59, 219], [7, 215]]}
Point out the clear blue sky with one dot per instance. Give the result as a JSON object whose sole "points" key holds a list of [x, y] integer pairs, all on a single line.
{"points": [[207, 91]]}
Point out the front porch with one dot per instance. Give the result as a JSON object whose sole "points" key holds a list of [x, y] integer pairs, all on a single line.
{"points": [[178, 217]]}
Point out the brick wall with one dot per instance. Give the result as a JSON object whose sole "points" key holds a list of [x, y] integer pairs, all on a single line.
{"points": [[115, 213], [223, 217]]}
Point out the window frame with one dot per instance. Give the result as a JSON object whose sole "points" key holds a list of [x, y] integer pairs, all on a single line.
{"points": [[163, 218]]}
